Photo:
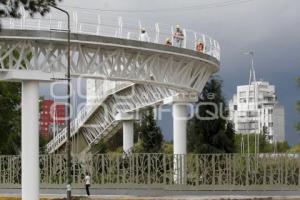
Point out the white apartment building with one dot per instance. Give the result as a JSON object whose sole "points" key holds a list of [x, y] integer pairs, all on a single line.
{"points": [[254, 108]]}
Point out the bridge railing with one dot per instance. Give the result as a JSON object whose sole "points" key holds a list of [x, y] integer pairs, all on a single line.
{"points": [[113, 26], [202, 171]]}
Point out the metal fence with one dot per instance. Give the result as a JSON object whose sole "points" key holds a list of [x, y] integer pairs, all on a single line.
{"points": [[197, 171]]}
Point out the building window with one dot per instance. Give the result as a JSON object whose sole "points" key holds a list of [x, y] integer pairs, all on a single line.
{"points": [[242, 100], [242, 94], [235, 107]]}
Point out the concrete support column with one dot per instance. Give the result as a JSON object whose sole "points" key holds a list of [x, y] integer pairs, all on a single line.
{"points": [[128, 136], [128, 139], [30, 141], [180, 102], [180, 116]]}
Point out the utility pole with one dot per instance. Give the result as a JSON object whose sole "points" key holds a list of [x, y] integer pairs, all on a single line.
{"points": [[68, 143], [252, 76]]}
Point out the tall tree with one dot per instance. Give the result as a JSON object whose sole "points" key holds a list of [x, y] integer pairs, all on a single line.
{"points": [[10, 8], [214, 135], [10, 121], [151, 138]]}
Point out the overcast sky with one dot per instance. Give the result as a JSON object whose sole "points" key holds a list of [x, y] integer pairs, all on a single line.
{"points": [[269, 27]]}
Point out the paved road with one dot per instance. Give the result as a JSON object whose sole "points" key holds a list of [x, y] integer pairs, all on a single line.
{"points": [[158, 192]]}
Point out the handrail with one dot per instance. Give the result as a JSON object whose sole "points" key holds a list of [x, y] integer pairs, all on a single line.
{"points": [[83, 115], [114, 27]]}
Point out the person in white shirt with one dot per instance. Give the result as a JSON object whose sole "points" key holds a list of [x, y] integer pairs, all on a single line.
{"points": [[144, 35], [178, 37], [87, 181]]}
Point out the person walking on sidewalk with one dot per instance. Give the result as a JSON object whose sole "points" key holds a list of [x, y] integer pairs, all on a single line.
{"points": [[87, 181]]}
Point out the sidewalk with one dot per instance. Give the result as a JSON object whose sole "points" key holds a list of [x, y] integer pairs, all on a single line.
{"points": [[116, 197]]}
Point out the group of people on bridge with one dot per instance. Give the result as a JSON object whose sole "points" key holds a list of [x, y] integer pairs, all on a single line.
{"points": [[177, 39]]}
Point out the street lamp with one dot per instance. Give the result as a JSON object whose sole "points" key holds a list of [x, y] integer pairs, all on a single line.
{"points": [[68, 143]]}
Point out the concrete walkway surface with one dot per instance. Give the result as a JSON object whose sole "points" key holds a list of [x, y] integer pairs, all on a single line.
{"points": [[119, 197]]}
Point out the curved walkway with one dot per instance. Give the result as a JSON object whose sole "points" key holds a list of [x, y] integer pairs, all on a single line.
{"points": [[106, 58]]}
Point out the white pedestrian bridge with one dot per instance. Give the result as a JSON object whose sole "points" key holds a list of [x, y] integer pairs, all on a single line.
{"points": [[146, 73], [109, 51]]}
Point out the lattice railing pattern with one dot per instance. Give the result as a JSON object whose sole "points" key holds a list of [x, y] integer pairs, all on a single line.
{"points": [[106, 62], [203, 171], [10, 169]]}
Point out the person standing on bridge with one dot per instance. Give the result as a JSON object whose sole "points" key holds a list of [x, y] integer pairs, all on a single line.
{"points": [[144, 35], [200, 46], [87, 181], [168, 42], [178, 37]]}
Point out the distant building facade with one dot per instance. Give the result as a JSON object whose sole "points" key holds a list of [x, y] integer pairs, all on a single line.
{"points": [[52, 118], [255, 109]]}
